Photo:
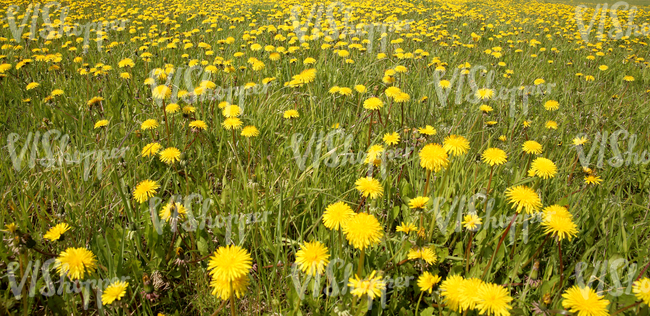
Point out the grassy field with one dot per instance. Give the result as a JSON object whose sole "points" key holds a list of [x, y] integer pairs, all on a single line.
{"points": [[341, 158]]}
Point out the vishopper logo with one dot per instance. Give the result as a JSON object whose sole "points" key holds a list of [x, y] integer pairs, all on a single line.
{"points": [[335, 287], [49, 288], [600, 142], [205, 90], [49, 31], [339, 153], [461, 75], [178, 212], [303, 20], [617, 31], [620, 272], [461, 205], [46, 156]]}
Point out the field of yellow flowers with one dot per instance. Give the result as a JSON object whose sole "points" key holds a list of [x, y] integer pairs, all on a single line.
{"points": [[257, 157]]}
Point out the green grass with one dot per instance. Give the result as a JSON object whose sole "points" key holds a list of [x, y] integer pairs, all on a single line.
{"points": [[261, 174]]}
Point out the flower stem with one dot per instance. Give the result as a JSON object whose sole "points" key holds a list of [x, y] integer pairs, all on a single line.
{"points": [[417, 307], [233, 312], [360, 268], [426, 186], [626, 308], [469, 246], [370, 128], [503, 237], [559, 250]]}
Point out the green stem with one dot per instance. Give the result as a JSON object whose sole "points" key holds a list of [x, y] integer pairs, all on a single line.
{"points": [[233, 312], [417, 307], [503, 237], [361, 257]]}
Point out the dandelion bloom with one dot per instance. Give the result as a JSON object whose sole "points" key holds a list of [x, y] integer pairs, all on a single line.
{"points": [[161, 92], [362, 230], [484, 94], [250, 131], [471, 221], [232, 123], [532, 147], [539, 81], [433, 157], [392, 92], [100, 123], [360, 88], [427, 254], [32, 85], [229, 263], [592, 179], [445, 84], [555, 210], [391, 139], [170, 155], [55, 232], [369, 187], [198, 125], [585, 302], [336, 214], [427, 281], [641, 290], [485, 108], [345, 91], [428, 130], [450, 290], [603, 67], [551, 124], [402, 97], [56, 92], [149, 124], [418, 202], [145, 190], [628, 78], [560, 226], [172, 108], [523, 197], [456, 145], [221, 287], [373, 103], [306, 76], [94, 101], [468, 293], [114, 292], [494, 156], [150, 149], [312, 257], [406, 228], [551, 105], [75, 262], [172, 210], [493, 299], [371, 286], [289, 114], [579, 141], [231, 111], [543, 168]]}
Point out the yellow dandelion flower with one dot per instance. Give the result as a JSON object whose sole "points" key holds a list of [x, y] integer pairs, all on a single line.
{"points": [[145, 190], [336, 214], [55, 232], [362, 230], [75, 262], [312, 257], [369, 187]]}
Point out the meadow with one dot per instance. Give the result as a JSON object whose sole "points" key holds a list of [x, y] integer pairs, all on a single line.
{"points": [[408, 157]]}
